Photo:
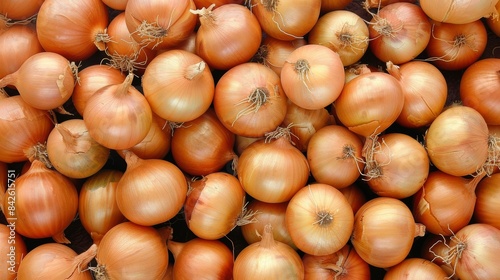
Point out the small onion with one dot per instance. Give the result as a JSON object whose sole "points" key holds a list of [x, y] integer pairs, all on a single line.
{"points": [[12, 250], [268, 259], [415, 269]]}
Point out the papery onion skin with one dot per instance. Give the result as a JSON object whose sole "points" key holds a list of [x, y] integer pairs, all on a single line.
{"points": [[320, 219], [129, 251], [178, 86], [214, 205], [384, 231], [415, 268], [480, 82], [97, 206], [12, 9], [22, 127], [458, 12], [12, 251], [272, 172], [71, 28], [487, 196], [46, 203], [457, 141]]}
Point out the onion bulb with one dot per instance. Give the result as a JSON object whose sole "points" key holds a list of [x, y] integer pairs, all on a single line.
{"points": [[274, 52], [487, 195], [458, 12], [12, 250], [414, 269], [384, 231], [268, 259], [12, 9], [56, 261]]}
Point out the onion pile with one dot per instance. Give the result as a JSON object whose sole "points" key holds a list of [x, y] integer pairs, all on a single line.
{"points": [[231, 139]]}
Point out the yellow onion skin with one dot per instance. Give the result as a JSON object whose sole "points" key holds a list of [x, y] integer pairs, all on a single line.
{"points": [[487, 196], [414, 269], [458, 12], [46, 203], [12, 250]]}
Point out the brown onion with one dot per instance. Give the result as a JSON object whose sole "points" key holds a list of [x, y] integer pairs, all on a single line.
{"points": [[487, 196], [12, 250], [414, 269]]}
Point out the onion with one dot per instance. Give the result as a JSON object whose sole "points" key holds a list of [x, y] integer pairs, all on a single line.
{"points": [[46, 203], [13, 10], [487, 208], [313, 76], [116, 4], [17, 44], [160, 24], [221, 29], [472, 252], [425, 92], [456, 46], [215, 205], [355, 196], [21, 128], [286, 19], [344, 32], [274, 52], [249, 100], [399, 32], [319, 219], [435, 246], [91, 79], [73, 152], [493, 22], [129, 251], [457, 141], [203, 145], [205, 3], [151, 191], [337, 165], [343, 264], [479, 82], [331, 5], [272, 169], [267, 213], [382, 3], [12, 251], [215, 256], [45, 80], [268, 259], [118, 116], [73, 29], [178, 86], [97, 206], [56, 261], [415, 268], [458, 12], [384, 231], [401, 166]]}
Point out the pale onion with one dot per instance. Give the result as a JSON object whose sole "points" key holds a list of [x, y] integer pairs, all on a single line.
{"points": [[249, 100], [415, 269], [17, 44], [487, 196], [151, 191], [384, 231], [399, 32], [21, 128], [286, 19], [129, 251], [456, 46], [338, 165], [274, 52], [56, 261], [160, 24], [203, 145], [458, 11], [344, 32], [97, 208], [215, 205], [45, 80], [355, 195], [319, 219], [201, 259], [457, 141], [479, 83], [268, 259], [73, 29], [472, 252], [118, 116], [12, 250], [313, 76], [272, 169], [267, 213], [178, 85], [13, 10], [46, 203], [401, 166], [91, 79], [425, 92], [445, 203], [73, 152], [341, 265]]}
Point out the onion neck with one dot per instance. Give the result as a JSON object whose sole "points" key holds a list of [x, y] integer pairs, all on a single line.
{"points": [[74, 142], [131, 159], [206, 16], [61, 238], [38, 153], [194, 70], [267, 237], [175, 248], [124, 87], [393, 70], [82, 261], [472, 183], [419, 230], [10, 79]]}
